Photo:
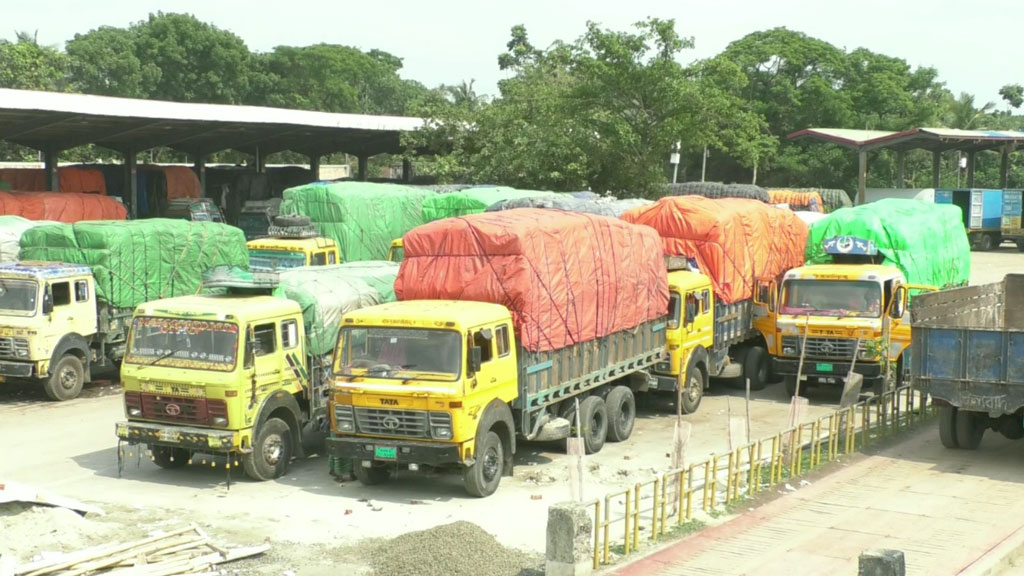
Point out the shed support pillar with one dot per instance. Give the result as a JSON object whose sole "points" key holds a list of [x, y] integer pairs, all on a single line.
{"points": [[314, 166], [1004, 166], [970, 169], [901, 168], [936, 164], [131, 178], [52, 174], [261, 161], [406, 170], [364, 162], [199, 167], [862, 175]]}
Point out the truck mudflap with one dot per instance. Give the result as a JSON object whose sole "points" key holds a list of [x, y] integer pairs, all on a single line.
{"points": [[197, 439], [394, 451], [825, 370], [17, 369]]}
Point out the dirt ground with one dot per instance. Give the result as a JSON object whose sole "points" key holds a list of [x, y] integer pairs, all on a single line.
{"points": [[70, 448]]}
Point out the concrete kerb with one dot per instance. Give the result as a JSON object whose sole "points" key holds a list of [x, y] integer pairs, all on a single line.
{"points": [[569, 551]]}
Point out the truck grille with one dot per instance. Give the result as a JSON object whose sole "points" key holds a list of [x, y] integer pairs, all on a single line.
{"points": [[376, 421], [822, 347], [10, 348], [181, 410]]}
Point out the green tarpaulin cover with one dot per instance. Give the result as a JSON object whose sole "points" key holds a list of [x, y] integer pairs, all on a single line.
{"points": [[137, 261], [472, 201], [926, 241], [362, 217], [327, 293]]}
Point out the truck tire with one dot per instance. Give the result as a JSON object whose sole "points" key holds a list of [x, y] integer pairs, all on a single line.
{"points": [[970, 428], [291, 221], [755, 367], [374, 475], [169, 458], [621, 413], [271, 451], [482, 478], [693, 393], [66, 379], [594, 419], [947, 427], [984, 243]]}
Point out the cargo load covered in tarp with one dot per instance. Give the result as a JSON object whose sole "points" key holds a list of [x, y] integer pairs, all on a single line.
{"points": [[363, 218], [566, 277], [604, 207], [797, 200], [139, 260], [71, 179], [326, 293], [11, 229], [927, 242], [734, 241], [719, 190], [473, 201], [64, 207]]}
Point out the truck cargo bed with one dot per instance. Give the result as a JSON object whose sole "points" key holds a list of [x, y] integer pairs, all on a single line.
{"points": [[549, 377], [734, 323], [968, 345]]}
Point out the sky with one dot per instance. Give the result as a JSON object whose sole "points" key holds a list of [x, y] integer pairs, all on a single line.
{"points": [[450, 41]]}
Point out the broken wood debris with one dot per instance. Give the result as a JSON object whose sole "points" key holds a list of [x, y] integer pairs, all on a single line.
{"points": [[183, 551]]}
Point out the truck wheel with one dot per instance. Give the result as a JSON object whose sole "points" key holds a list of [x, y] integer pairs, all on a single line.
{"points": [[947, 427], [970, 427], [984, 243], [292, 221], [594, 419], [271, 451], [66, 379], [621, 413], [694, 391], [170, 458], [482, 478], [755, 367], [372, 476]]}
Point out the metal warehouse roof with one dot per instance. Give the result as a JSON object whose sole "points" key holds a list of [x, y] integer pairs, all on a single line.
{"points": [[933, 139], [57, 121]]}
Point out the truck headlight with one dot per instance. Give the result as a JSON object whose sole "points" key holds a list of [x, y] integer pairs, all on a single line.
{"points": [[344, 418], [788, 351], [866, 354], [220, 421], [442, 433], [135, 412], [440, 425], [21, 353]]}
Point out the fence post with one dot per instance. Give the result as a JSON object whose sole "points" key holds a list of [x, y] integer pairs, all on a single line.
{"points": [[882, 563], [569, 550]]}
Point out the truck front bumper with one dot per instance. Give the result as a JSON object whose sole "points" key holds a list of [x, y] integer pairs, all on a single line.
{"points": [[825, 371], [12, 369], [197, 439], [405, 452]]}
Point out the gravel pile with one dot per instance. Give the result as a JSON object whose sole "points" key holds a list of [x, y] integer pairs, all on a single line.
{"points": [[457, 549], [26, 530]]}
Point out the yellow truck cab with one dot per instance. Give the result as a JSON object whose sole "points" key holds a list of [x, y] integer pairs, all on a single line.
{"points": [[710, 339], [396, 253], [52, 328], [838, 315], [444, 383], [221, 374], [291, 242]]}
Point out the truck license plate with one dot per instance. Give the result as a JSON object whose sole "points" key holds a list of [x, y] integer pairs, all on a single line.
{"points": [[168, 436], [385, 453], [824, 367]]}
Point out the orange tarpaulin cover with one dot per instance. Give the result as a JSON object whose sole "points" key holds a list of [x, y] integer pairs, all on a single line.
{"points": [[65, 207], [566, 277], [735, 241], [72, 179], [182, 181], [797, 198]]}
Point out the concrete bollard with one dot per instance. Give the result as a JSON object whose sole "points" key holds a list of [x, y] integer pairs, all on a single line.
{"points": [[881, 562], [569, 551]]}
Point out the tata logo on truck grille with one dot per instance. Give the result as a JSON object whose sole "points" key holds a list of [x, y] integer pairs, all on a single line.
{"points": [[826, 348], [389, 402], [390, 422], [172, 409]]}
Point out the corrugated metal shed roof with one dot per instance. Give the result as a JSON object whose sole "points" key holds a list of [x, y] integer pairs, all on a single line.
{"points": [[50, 119], [934, 139]]}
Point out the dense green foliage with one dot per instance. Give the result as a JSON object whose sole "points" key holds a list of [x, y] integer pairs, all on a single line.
{"points": [[600, 112]]}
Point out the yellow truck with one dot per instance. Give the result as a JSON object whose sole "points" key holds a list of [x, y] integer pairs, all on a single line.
{"points": [[290, 243], [708, 338], [242, 373]]}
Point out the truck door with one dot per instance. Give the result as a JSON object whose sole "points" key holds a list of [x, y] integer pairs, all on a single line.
{"points": [[897, 317], [497, 362], [73, 307], [266, 357]]}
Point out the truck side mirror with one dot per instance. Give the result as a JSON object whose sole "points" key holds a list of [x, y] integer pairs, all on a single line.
{"points": [[475, 359], [250, 349], [47, 301], [691, 310], [899, 302]]}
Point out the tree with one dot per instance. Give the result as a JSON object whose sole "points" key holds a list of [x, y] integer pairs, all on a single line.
{"points": [[26, 65], [104, 61], [963, 115], [1013, 94]]}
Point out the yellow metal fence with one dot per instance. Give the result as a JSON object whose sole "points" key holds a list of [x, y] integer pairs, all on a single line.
{"points": [[624, 519]]}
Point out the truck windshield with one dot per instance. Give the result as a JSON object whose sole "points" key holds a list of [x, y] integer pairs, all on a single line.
{"points": [[832, 298], [180, 343], [270, 260], [394, 353], [18, 297]]}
